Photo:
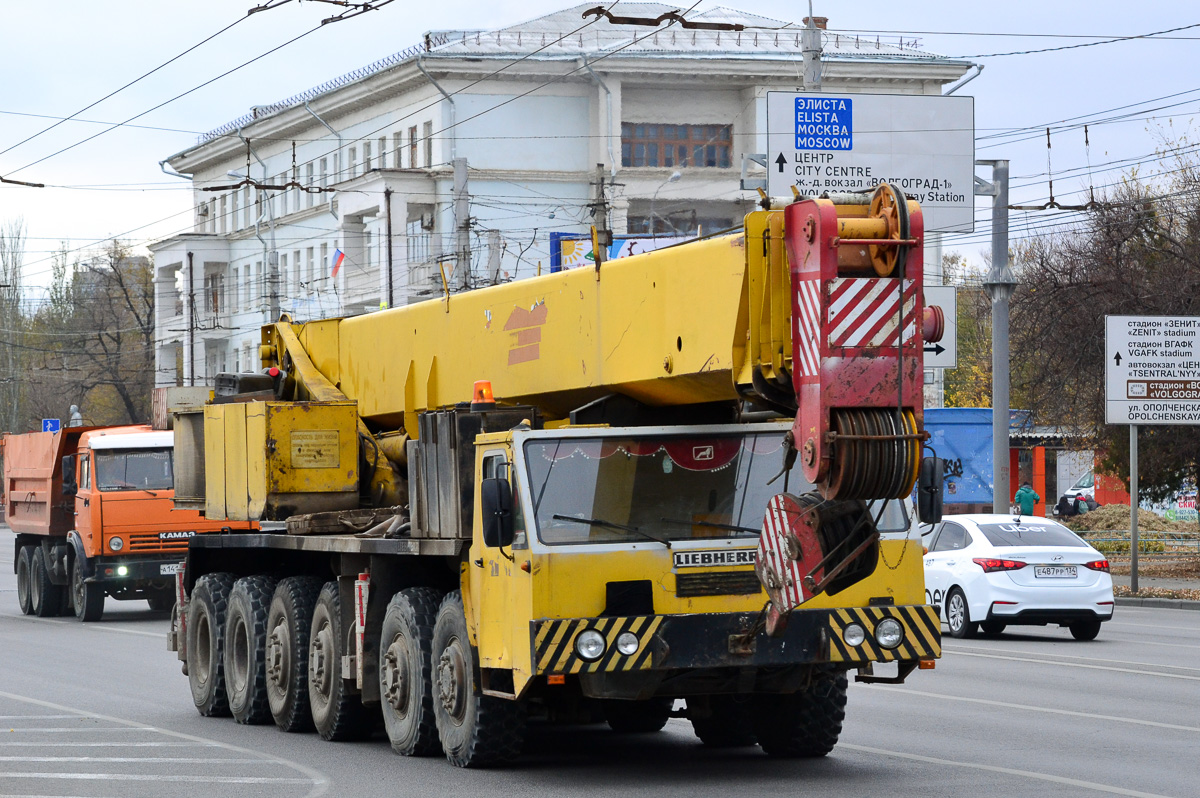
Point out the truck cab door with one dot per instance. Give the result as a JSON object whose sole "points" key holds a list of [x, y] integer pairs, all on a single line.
{"points": [[87, 506], [501, 588]]}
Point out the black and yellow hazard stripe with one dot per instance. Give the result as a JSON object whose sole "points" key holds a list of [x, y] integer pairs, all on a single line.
{"points": [[554, 644], [922, 634]]}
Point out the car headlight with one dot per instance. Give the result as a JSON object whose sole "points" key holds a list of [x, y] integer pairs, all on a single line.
{"points": [[889, 633], [116, 544], [627, 643], [854, 635], [590, 645]]}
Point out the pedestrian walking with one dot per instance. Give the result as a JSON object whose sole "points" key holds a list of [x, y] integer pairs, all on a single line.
{"points": [[1026, 498]]}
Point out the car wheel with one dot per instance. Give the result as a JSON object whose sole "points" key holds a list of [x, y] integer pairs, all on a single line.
{"points": [[958, 616], [992, 628], [1085, 630]]}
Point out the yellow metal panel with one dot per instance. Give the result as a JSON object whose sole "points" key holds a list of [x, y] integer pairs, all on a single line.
{"points": [[656, 327], [320, 339], [237, 490], [312, 448], [214, 461], [256, 476]]}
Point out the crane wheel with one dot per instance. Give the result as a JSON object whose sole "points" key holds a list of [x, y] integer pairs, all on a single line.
{"points": [[722, 721], [245, 649], [288, 622], [475, 730], [206, 644], [638, 717], [803, 724], [406, 671], [337, 713]]}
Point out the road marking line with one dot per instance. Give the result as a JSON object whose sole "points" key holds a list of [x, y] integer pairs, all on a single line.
{"points": [[1028, 774], [36, 717], [1154, 625], [91, 626], [147, 777], [78, 729], [1048, 710], [123, 744], [173, 759], [319, 781], [989, 649], [1079, 665]]}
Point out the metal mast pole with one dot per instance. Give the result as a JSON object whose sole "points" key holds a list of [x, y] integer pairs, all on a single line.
{"points": [[462, 223], [1000, 285]]}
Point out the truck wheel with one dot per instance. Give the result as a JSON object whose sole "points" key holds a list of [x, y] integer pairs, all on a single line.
{"points": [[245, 647], [638, 717], [25, 579], [288, 623], [803, 724], [88, 598], [406, 671], [337, 713], [475, 730], [45, 596], [206, 643], [727, 724]]}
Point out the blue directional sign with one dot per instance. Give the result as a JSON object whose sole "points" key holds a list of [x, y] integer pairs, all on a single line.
{"points": [[824, 123], [51, 425]]}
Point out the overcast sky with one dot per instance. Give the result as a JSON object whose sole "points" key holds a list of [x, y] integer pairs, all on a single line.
{"points": [[61, 56]]}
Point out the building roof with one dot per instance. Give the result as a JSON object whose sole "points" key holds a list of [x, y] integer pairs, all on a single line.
{"points": [[566, 34]]}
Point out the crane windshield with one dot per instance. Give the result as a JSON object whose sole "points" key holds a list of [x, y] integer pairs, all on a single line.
{"points": [[661, 488]]}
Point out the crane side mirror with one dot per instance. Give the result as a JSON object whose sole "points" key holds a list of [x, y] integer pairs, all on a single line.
{"points": [[495, 500], [69, 486], [929, 490]]}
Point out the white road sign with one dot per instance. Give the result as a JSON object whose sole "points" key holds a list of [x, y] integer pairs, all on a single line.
{"points": [[1152, 369], [943, 354], [851, 142]]}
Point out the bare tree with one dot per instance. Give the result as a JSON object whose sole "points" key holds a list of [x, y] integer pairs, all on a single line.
{"points": [[12, 256]]}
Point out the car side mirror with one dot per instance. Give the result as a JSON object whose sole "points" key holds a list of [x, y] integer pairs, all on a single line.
{"points": [[69, 486], [495, 499], [929, 490]]}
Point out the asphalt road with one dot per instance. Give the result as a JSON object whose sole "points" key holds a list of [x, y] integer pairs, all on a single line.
{"points": [[103, 710]]}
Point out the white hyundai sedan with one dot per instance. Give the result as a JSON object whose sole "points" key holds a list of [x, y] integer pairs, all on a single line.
{"points": [[993, 571]]}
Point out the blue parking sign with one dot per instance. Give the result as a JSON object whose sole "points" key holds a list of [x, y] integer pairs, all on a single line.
{"points": [[51, 425]]}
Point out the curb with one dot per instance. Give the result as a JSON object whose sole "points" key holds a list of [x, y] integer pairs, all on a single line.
{"points": [[1173, 604]]}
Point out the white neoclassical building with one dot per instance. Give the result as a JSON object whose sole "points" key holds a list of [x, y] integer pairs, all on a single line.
{"points": [[450, 164]]}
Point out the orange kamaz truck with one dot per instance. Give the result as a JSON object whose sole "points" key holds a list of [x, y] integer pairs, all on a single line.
{"points": [[93, 513]]}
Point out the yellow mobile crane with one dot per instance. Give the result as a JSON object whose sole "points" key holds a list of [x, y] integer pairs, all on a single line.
{"points": [[578, 496]]}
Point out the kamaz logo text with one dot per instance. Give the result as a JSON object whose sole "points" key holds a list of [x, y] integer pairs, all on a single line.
{"points": [[165, 536]]}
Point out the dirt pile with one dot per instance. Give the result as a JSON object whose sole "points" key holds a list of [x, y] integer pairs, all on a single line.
{"points": [[1115, 518]]}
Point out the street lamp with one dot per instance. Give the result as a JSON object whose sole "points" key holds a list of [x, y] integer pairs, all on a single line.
{"points": [[674, 178], [1000, 284]]}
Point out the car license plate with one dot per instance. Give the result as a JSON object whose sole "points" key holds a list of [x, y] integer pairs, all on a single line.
{"points": [[170, 568], [1055, 571]]}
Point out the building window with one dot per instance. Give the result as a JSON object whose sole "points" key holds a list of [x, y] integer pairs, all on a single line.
{"points": [[353, 162], [284, 284], [236, 286], [324, 261], [383, 152], [233, 211], [308, 182], [309, 270], [296, 272], [214, 293], [398, 150], [246, 206], [676, 145], [412, 147], [324, 173], [428, 144], [670, 222], [366, 157]]}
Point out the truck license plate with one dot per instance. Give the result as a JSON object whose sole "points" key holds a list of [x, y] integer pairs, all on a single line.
{"points": [[170, 568], [1055, 571]]}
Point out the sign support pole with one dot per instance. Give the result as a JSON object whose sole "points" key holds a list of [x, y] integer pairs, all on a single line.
{"points": [[1133, 508], [1000, 283]]}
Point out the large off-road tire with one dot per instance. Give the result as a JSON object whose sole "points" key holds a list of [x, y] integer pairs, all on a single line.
{"points": [[638, 717], [288, 622], [475, 730], [45, 596], [245, 648], [958, 615], [25, 579], [206, 643], [803, 724], [723, 721], [1085, 630], [88, 597], [337, 713], [406, 671]]}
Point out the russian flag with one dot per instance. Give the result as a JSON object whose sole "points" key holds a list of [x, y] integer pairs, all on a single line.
{"points": [[338, 257]]}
